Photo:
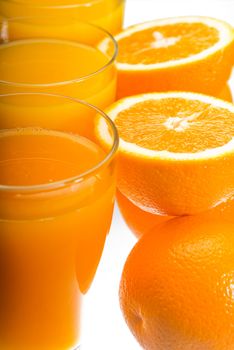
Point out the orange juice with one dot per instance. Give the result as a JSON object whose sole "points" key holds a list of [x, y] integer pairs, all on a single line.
{"points": [[57, 66], [107, 14], [51, 238]]}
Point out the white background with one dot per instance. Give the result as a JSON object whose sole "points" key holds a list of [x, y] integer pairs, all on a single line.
{"points": [[103, 325]]}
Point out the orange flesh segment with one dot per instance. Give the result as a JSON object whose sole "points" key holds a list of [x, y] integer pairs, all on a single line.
{"points": [[176, 125], [166, 43]]}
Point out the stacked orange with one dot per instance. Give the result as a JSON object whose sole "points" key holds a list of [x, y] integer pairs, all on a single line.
{"points": [[176, 158]]}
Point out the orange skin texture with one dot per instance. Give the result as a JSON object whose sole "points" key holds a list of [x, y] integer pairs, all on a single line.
{"points": [[206, 76], [157, 186], [141, 222], [138, 220], [176, 291]]}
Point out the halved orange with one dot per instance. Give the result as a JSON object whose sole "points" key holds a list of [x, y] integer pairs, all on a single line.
{"points": [[176, 153], [182, 53]]}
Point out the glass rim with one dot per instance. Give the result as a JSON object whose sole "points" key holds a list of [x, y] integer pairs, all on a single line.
{"points": [[68, 6], [108, 36], [74, 179]]}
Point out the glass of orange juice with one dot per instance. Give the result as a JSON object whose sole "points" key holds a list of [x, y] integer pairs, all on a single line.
{"points": [[65, 60], [56, 200], [107, 14]]}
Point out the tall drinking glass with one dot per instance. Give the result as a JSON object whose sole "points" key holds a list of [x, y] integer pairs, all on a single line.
{"points": [[66, 59], [107, 14], [56, 200]]}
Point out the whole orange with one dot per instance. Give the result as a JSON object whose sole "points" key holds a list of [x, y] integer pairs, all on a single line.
{"points": [[177, 287]]}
